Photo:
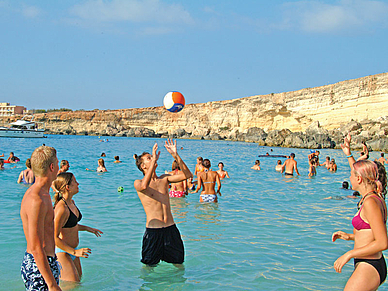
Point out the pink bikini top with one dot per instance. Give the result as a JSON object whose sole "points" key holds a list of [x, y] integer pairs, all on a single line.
{"points": [[358, 223]]}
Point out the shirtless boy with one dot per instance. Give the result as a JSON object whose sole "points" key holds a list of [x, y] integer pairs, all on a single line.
{"points": [[39, 267], [161, 240], [64, 166], [289, 165], [382, 160]]}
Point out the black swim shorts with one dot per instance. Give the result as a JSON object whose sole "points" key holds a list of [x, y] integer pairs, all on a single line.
{"points": [[162, 244]]}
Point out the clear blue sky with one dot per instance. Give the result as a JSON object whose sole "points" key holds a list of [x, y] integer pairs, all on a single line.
{"points": [[129, 53]]}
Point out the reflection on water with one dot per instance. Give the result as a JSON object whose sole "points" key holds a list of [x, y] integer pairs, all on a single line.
{"points": [[207, 213], [163, 277]]}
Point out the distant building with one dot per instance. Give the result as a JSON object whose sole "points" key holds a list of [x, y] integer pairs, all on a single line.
{"points": [[9, 110]]}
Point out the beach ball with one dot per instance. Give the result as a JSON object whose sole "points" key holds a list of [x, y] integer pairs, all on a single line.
{"points": [[174, 101], [120, 189]]}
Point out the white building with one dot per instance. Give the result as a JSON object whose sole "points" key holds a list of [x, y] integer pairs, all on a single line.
{"points": [[9, 110]]}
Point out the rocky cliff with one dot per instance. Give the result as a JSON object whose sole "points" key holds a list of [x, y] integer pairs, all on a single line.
{"points": [[322, 109]]}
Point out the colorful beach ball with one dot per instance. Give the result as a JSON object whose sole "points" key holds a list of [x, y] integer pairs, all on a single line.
{"points": [[174, 101]]}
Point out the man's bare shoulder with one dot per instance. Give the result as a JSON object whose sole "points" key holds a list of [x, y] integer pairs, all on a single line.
{"points": [[34, 199]]}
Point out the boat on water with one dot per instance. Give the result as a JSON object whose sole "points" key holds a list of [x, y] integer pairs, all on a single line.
{"points": [[24, 127]]}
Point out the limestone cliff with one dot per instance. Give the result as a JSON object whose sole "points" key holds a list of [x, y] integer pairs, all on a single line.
{"points": [[331, 105]]}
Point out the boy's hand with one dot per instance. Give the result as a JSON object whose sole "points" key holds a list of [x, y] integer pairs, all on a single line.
{"points": [[171, 147]]}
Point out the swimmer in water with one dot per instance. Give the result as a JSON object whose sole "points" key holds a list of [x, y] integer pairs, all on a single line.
{"points": [[103, 155], [289, 166], [221, 172], [178, 189], [278, 167], [198, 167], [256, 166], [27, 176], [333, 166], [326, 163], [208, 180], [101, 167], [117, 160], [312, 169], [382, 160], [2, 164], [64, 166], [12, 158]]}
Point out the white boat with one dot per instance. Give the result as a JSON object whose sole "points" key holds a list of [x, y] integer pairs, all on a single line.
{"points": [[23, 128]]}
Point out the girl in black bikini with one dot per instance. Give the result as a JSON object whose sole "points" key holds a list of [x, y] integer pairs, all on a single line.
{"points": [[370, 230], [66, 227]]}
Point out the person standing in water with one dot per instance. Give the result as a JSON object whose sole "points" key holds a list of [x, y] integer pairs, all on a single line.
{"points": [[161, 240], [27, 176], [67, 216], [40, 270], [370, 230], [221, 172], [208, 180], [289, 166], [179, 189]]}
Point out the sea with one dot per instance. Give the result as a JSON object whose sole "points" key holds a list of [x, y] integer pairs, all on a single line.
{"points": [[267, 231]]}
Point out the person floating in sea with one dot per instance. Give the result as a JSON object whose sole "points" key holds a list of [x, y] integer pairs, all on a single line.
{"points": [[101, 166], [256, 166], [289, 166], [66, 228], [370, 230], [12, 158], [117, 160], [40, 270], [64, 166], [208, 179], [103, 155], [27, 176], [221, 172], [161, 240], [177, 190]]}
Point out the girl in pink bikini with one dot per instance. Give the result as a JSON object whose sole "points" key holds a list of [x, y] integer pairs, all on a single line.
{"points": [[370, 230], [179, 189]]}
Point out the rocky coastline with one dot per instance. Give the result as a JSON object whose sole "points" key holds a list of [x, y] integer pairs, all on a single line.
{"points": [[311, 118]]}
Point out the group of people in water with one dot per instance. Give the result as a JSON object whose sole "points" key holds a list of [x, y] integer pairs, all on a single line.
{"points": [[52, 232]]}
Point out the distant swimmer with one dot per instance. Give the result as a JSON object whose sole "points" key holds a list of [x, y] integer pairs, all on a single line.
{"points": [[312, 169], [117, 160], [207, 180], [64, 166], [256, 166], [101, 166], [12, 158], [2, 164], [278, 166], [179, 189], [289, 166], [162, 239], [333, 166], [326, 163], [221, 172], [198, 167], [382, 160], [27, 176], [103, 155]]}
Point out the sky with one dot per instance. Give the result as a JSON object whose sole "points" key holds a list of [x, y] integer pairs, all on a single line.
{"points": [[116, 54]]}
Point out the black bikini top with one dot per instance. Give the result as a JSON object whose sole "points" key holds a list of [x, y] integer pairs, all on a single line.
{"points": [[73, 219]]}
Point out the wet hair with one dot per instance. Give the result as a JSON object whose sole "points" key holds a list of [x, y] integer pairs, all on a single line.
{"points": [[101, 162], [11, 153], [175, 166], [63, 163], [382, 177], [369, 173], [206, 163], [382, 155], [41, 159], [103, 155], [60, 183], [200, 159], [28, 163], [327, 158], [279, 162], [117, 158], [139, 161], [221, 164], [257, 162], [292, 155], [333, 161], [345, 185], [356, 193], [1, 161], [362, 153]]}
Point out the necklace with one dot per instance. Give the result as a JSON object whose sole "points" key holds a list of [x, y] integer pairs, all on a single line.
{"points": [[359, 204]]}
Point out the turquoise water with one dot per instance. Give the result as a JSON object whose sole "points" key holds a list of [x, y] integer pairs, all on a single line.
{"points": [[267, 232]]}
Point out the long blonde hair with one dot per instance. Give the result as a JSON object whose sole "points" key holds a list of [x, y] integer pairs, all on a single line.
{"points": [[60, 183], [369, 173]]}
